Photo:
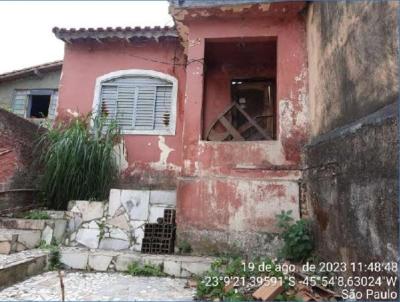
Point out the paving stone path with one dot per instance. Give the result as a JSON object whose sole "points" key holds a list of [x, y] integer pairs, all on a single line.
{"points": [[83, 286]]}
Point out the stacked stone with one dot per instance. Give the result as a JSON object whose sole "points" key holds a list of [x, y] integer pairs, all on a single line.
{"points": [[159, 238]]}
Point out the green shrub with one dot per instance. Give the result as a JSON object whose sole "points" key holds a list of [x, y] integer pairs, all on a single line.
{"points": [[36, 215], [297, 238], [78, 160], [135, 269]]}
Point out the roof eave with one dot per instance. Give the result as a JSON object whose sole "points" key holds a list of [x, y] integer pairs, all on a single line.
{"points": [[31, 71]]}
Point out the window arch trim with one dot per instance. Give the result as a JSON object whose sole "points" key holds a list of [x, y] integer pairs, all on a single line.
{"points": [[140, 72]]}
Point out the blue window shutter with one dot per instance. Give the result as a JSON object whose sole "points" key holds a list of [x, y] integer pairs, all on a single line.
{"points": [[20, 102]]}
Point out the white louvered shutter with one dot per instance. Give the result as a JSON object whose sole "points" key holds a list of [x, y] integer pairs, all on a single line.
{"points": [[125, 106], [109, 96], [145, 107], [138, 103], [20, 102], [162, 119]]}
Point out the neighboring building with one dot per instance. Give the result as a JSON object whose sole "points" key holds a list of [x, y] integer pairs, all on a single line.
{"points": [[218, 108], [32, 92]]}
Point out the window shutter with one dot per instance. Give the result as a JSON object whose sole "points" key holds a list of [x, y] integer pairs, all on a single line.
{"points": [[109, 96], [125, 106], [138, 103], [145, 108], [20, 102], [53, 105], [163, 108]]}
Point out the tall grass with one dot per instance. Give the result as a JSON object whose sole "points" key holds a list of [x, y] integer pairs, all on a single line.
{"points": [[78, 160]]}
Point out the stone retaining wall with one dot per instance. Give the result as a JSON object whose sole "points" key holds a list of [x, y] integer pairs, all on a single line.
{"points": [[100, 260], [119, 223]]}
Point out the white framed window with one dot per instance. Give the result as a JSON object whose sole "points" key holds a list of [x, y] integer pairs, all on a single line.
{"points": [[140, 101], [35, 103]]}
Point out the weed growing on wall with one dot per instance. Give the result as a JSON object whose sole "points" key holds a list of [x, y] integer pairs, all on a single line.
{"points": [[297, 238], [79, 160]]}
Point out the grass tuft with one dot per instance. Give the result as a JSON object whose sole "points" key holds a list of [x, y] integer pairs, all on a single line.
{"points": [[79, 160]]}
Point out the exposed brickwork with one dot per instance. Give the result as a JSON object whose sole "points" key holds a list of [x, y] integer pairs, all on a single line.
{"points": [[18, 169]]}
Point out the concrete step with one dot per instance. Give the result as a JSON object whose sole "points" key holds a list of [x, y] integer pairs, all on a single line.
{"points": [[105, 260], [49, 229], [19, 266], [13, 240]]}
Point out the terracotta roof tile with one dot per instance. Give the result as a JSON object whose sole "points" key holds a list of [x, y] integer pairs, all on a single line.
{"points": [[100, 33]]}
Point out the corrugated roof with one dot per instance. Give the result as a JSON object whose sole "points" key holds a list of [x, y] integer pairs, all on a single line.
{"points": [[127, 33], [33, 70]]}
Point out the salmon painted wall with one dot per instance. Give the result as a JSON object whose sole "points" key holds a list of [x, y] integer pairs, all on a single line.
{"points": [[230, 192], [151, 160]]}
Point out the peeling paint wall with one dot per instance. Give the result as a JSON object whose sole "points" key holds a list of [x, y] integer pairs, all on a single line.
{"points": [[148, 160], [352, 159], [229, 192]]}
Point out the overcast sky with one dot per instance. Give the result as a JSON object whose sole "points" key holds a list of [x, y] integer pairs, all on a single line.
{"points": [[25, 27]]}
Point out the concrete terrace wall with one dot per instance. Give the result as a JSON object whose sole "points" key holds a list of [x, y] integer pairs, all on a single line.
{"points": [[150, 160], [49, 80], [352, 159]]}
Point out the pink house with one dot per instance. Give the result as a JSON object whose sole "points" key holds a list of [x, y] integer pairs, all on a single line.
{"points": [[215, 108]]}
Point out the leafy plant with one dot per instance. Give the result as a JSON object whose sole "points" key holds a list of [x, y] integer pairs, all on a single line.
{"points": [[102, 226], [78, 160], [297, 238], [54, 259], [36, 215], [135, 269]]}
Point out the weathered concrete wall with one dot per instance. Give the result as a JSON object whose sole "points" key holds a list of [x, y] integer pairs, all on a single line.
{"points": [[229, 192], [48, 80], [151, 160], [352, 160], [353, 66]]}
